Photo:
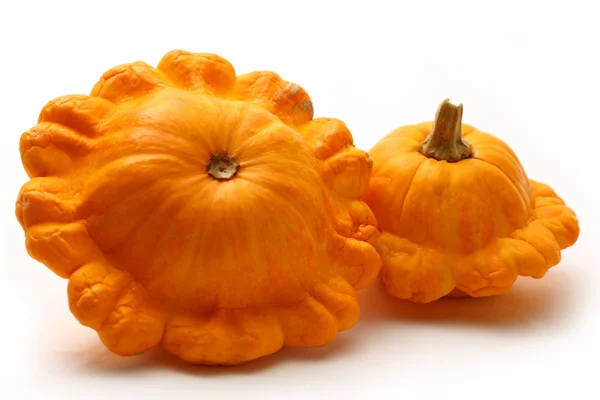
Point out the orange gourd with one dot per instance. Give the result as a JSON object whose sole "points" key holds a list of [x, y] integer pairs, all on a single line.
{"points": [[457, 213], [198, 210]]}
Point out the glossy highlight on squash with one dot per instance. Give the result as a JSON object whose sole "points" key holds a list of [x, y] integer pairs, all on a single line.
{"points": [[457, 213], [201, 211]]}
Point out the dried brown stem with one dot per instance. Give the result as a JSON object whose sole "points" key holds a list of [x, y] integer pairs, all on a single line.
{"points": [[445, 142]]}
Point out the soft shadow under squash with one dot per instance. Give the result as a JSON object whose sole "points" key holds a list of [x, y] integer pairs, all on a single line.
{"points": [[529, 301], [99, 360]]}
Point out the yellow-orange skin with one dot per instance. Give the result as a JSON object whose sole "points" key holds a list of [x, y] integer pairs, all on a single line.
{"points": [[157, 252], [465, 228]]}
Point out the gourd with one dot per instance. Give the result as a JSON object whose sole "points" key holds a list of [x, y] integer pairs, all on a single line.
{"points": [[200, 211], [457, 213]]}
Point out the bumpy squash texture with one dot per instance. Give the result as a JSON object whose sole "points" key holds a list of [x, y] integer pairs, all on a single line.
{"points": [[158, 252], [461, 228]]}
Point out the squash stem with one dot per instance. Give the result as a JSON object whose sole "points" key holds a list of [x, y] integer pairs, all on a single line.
{"points": [[445, 142]]}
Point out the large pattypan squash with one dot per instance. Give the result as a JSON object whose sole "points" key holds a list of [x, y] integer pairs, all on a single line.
{"points": [[199, 210], [457, 213]]}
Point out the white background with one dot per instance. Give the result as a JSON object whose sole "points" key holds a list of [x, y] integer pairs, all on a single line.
{"points": [[525, 71]]}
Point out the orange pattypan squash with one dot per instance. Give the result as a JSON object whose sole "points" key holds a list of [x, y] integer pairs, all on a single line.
{"points": [[457, 213], [198, 210]]}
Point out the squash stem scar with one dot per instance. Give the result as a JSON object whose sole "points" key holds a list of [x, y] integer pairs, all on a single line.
{"points": [[222, 166]]}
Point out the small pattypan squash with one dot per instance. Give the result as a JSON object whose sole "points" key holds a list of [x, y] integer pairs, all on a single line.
{"points": [[198, 210], [457, 213]]}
